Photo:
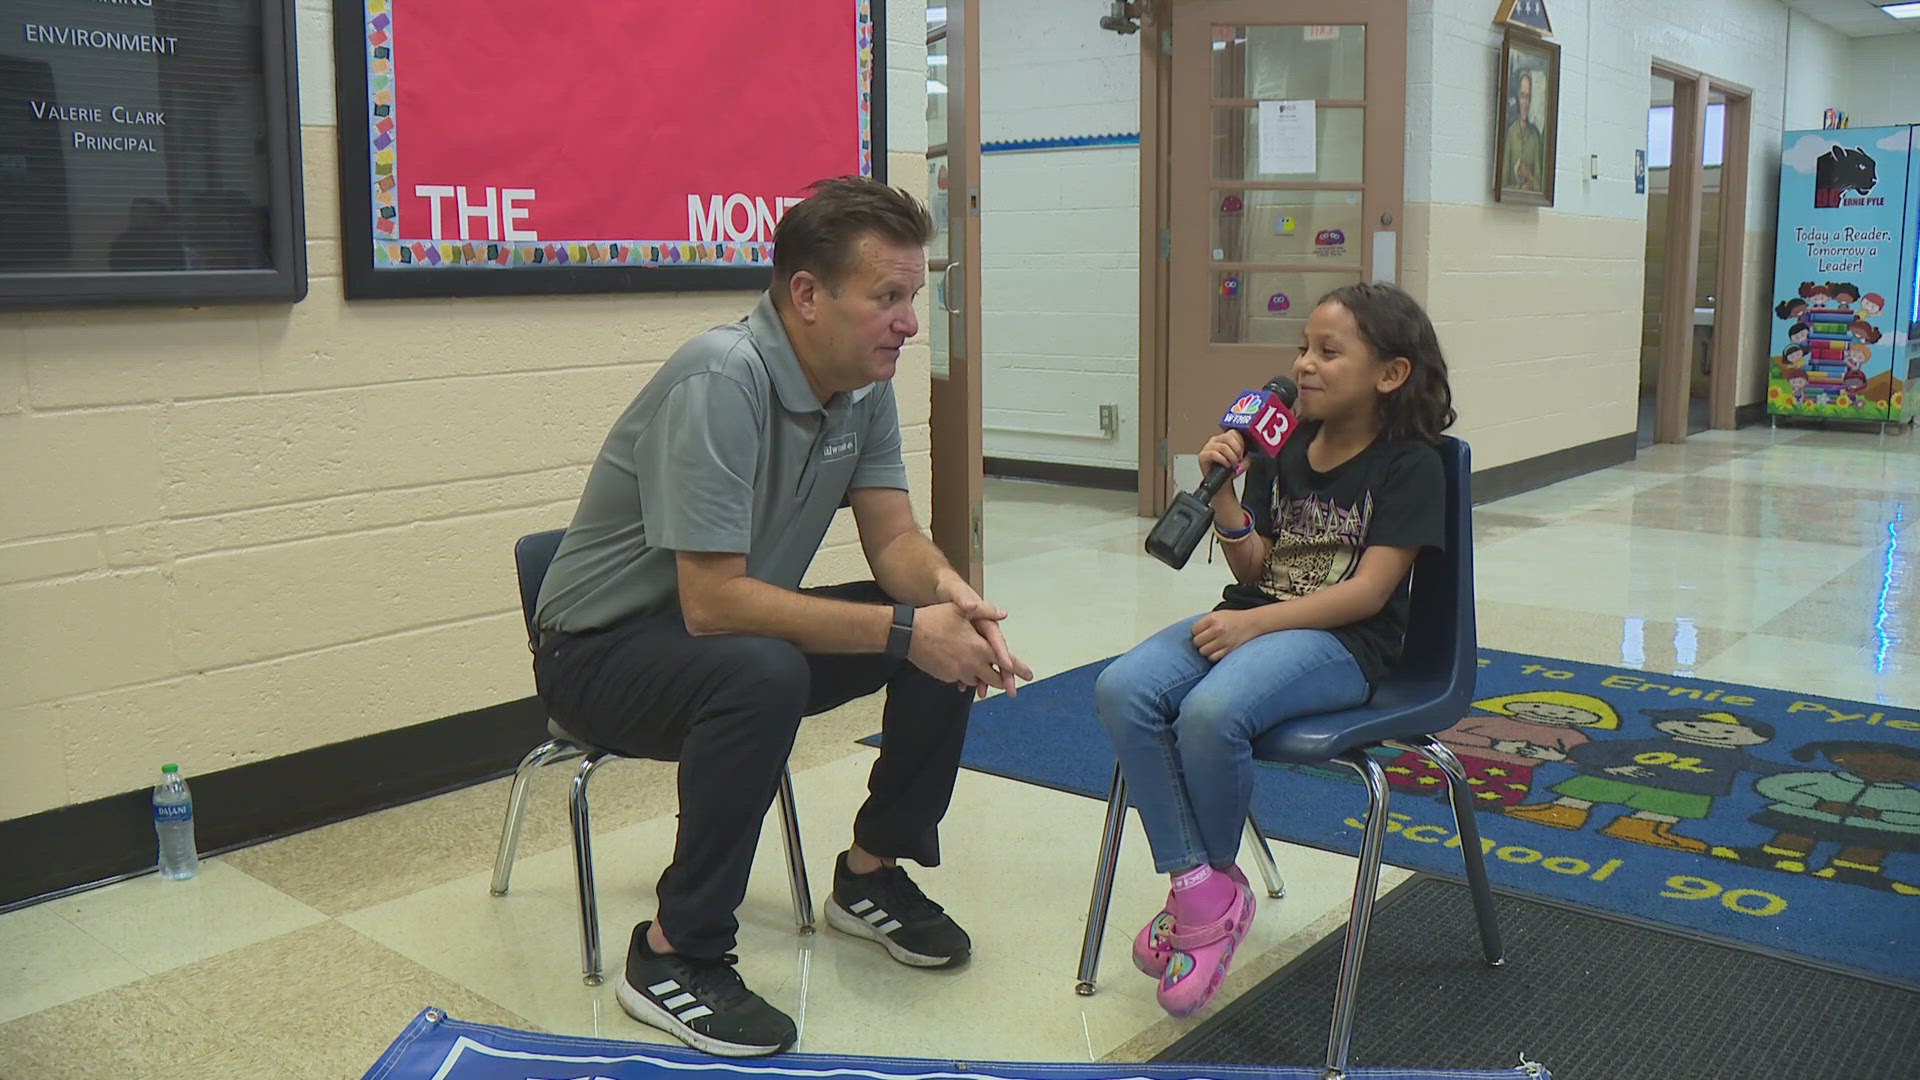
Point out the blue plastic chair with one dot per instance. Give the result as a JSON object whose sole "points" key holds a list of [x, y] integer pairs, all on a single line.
{"points": [[532, 554], [1427, 692]]}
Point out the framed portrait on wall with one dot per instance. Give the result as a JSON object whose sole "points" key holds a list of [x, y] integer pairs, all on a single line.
{"points": [[1527, 123], [533, 147]]}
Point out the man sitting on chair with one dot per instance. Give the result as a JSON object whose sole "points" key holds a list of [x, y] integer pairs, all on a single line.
{"points": [[672, 625]]}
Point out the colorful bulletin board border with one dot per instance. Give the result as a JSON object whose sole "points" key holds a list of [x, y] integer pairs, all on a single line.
{"points": [[391, 254]]}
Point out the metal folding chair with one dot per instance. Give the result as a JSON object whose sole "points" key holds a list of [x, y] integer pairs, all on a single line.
{"points": [[532, 554]]}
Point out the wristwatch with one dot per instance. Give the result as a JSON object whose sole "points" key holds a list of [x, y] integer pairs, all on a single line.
{"points": [[900, 637]]}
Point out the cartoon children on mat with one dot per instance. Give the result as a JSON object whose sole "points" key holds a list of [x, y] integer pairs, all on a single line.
{"points": [[1869, 805], [1792, 307], [1499, 752], [1872, 304], [1661, 781], [1863, 330]]}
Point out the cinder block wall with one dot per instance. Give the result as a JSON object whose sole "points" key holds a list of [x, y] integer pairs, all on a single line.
{"points": [[232, 533]]}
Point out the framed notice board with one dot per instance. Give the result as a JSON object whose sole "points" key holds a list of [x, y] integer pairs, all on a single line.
{"points": [[149, 152], [535, 146]]}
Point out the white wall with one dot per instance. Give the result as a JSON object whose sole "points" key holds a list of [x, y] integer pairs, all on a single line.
{"points": [[1556, 365], [1061, 236], [1607, 49], [1883, 81]]}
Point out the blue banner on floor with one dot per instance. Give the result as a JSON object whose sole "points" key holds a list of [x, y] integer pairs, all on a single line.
{"points": [[1780, 820], [437, 1047]]}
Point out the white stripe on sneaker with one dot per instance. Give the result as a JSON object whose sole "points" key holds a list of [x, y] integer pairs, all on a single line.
{"points": [[860, 906], [694, 1013], [661, 988], [889, 926], [677, 1001]]}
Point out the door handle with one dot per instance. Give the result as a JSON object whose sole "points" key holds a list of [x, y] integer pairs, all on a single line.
{"points": [[946, 294]]}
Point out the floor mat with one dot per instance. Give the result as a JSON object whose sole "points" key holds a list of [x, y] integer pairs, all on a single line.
{"points": [[1593, 997], [1778, 820]]}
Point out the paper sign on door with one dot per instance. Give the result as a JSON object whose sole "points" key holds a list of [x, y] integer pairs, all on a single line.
{"points": [[1287, 137]]}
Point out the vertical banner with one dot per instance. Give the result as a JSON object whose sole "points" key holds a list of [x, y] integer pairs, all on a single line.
{"points": [[526, 146], [1837, 275]]}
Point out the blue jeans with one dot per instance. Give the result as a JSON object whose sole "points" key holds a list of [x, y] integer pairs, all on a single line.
{"points": [[1183, 728]]}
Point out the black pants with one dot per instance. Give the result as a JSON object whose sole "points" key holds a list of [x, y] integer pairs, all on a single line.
{"points": [[727, 708]]}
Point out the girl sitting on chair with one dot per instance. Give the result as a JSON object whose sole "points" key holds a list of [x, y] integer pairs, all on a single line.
{"points": [[1321, 547]]}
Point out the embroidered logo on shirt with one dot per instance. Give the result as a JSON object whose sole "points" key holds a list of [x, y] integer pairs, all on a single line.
{"points": [[840, 446]]}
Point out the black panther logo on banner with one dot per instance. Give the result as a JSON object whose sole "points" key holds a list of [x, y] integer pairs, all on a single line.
{"points": [[1840, 170]]}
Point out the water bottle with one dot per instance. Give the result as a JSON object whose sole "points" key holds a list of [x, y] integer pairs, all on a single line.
{"points": [[173, 820]]}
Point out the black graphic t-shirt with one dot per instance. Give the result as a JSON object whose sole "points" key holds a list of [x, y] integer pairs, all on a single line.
{"points": [[1392, 494]]}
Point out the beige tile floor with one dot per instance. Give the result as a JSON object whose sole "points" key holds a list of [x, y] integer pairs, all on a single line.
{"points": [[1776, 558]]}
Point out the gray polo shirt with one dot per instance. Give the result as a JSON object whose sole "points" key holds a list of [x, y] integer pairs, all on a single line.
{"points": [[726, 450]]}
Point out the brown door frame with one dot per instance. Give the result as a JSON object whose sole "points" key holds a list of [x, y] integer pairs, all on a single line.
{"points": [[956, 435], [1156, 186], [1691, 92], [1730, 295]]}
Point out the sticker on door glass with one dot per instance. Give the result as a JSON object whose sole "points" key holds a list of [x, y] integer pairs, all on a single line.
{"points": [[1230, 287], [1278, 303]]}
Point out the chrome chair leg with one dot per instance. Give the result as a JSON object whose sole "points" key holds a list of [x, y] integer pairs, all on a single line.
{"points": [[796, 859], [583, 869], [1468, 829], [1366, 883], [546, 753], [1103, 885], [1263, 855]]}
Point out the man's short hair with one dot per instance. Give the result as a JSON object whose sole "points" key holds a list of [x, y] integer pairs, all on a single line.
{"points": [[819, 233]]}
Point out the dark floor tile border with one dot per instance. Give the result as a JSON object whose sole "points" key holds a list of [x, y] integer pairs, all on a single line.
{"points": [[74, 846], [1054, 472], [1537, 472], [1488, 484]]}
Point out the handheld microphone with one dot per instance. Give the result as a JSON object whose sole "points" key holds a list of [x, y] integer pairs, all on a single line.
{"points": [[1264, 419]]}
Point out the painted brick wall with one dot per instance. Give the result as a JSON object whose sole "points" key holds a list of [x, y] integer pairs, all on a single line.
{"points": [[233, 533], [1538, 308], [1883, 81], [1060, 235]]}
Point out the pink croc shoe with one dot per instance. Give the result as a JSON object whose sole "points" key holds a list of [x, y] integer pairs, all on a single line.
{"points": [[1202, 954], [1150, 948]]}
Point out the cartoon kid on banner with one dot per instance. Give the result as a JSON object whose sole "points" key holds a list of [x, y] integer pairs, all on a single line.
{"points": [[1661, 781], [1499, 752]]}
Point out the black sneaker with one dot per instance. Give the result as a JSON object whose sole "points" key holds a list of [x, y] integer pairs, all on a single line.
{"points": [[701, 1002], [887, 907]]}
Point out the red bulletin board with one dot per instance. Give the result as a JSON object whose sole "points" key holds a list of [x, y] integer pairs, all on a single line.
{"points": [[653, 143]]}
